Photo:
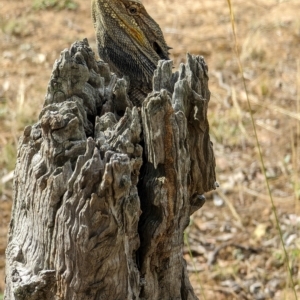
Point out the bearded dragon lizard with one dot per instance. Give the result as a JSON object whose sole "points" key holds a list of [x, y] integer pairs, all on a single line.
{"points": [[130, 41]]}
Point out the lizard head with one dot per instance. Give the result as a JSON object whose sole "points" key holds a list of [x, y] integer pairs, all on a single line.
{"points": [[130, 16], [129, 40], [151, 30]]}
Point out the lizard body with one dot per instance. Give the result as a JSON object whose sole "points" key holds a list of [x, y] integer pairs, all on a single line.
{"points": [[130, 41]]}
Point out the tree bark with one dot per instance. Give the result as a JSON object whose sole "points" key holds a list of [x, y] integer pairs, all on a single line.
{"points": [[103, 190]]}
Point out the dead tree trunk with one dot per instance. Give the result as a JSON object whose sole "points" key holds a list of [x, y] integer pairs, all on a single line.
{"points": [[103, 190]]}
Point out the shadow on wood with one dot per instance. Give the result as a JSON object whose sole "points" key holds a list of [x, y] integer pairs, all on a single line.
{"points": [[103, 190]]}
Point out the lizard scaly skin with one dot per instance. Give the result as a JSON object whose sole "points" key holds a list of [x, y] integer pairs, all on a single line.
{"points": [[130, 41]]}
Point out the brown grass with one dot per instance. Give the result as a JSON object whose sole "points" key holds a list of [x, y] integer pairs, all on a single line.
{"points": [[268, 32]]}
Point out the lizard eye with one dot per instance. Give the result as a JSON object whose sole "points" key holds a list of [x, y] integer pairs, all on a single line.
{"points": [[133, 10]]}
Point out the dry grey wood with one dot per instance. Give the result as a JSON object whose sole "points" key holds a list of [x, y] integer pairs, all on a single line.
{"points": [[103, 190]]}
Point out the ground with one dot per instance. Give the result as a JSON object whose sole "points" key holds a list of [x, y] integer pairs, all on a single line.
{"points": [[234, 248]]}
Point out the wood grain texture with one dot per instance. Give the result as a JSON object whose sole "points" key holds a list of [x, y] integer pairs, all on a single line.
{"points": [[103, 190]]}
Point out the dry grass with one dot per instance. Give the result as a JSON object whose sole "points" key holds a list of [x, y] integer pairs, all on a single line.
{"points": [[250, 260]]}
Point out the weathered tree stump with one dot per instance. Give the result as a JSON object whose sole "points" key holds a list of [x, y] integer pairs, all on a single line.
{"points": [[103, 190]]}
